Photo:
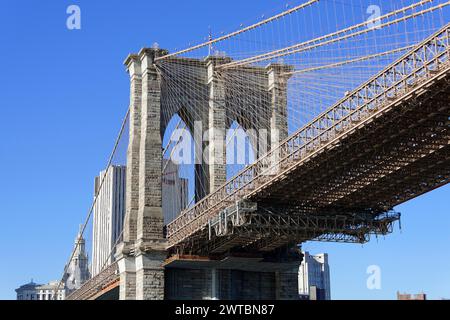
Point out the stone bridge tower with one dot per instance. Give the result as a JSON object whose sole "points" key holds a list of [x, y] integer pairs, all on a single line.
{"points": [[143, 251]]}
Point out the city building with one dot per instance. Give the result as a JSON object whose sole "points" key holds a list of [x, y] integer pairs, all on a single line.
{"points": [[33, 291], [47, 291], [174, 191], [407, 296], [77, 271], [108, 216], [314, 277], [27, 291], [109, 208]]}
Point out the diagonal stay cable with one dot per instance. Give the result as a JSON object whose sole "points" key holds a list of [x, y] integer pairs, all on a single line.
{"points": [[111, 157]]}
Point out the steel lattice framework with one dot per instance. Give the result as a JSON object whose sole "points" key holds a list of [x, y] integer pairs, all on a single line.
{"points": [[384, 143], [264, 229], [337, 178], [101, 281]]}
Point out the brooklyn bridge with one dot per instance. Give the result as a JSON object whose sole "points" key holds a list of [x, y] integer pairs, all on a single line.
{"points": [[342, 126]]}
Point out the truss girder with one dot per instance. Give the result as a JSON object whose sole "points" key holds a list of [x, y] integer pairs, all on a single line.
{"points": [[96, 284], [398, 87]]}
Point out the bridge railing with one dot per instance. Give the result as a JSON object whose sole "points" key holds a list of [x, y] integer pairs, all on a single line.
{"points": [[96, 284], [397, 79]]}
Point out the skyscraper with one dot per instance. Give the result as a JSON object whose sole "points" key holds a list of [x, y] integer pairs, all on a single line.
{"points": [[108, 216], [314, 277], [174, 191], [78, 269]]}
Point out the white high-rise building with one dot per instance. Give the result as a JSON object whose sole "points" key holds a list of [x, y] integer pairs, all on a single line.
{"points": [[174, 191], [108, 216], [109, 209], [314, 276]]}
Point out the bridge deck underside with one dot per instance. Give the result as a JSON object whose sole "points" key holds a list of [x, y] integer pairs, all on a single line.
{"points": [[402, 153], [388, 161]]}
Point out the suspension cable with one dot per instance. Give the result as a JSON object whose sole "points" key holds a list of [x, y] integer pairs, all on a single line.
{"points": [[235, 33]]}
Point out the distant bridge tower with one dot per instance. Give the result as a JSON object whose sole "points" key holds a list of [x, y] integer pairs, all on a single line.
{"points": [[143, 251]]}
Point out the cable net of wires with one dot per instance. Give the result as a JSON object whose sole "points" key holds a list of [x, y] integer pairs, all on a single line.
{"points": [[329, 47], [322, 50], [102, 229]]}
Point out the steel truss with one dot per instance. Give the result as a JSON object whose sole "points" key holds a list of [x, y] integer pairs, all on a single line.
{"points": [[266, 228], [95, 285], [405, 83]]}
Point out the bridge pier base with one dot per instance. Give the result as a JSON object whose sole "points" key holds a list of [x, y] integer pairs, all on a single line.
{"points": [[150, 276], [287, 285], [231, 279], [127, 284]]}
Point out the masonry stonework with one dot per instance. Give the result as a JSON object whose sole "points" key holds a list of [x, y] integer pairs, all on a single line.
{"points": [[217, 123], [232, 284], [142, 254]]}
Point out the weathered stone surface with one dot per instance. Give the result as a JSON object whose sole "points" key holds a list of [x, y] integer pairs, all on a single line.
{"points": [[142, 274], [198, 284], [287, 285], [186, 284], [132, 177], [127, 285], [150, 276], [277, 86], [150, 216], [216, 130], [143, 252]]}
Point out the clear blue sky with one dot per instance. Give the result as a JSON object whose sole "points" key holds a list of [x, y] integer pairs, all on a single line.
{"points": [[62, 97]]}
